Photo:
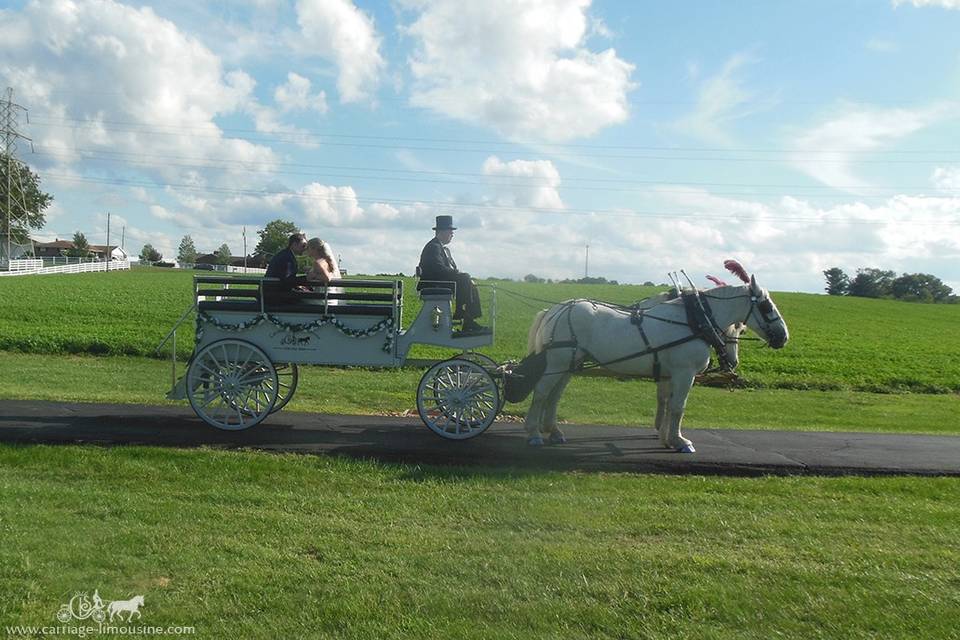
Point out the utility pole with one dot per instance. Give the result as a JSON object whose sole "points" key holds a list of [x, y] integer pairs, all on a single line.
{"points": [[107, 253], [9, 112], [244, 249], [586, 263]]}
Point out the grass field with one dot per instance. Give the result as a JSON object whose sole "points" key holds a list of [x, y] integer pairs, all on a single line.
{"points": [[247, 545], [836, 343]]}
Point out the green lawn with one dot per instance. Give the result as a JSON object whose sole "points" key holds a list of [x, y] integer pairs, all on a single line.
{"points": [[253, 545], [836, 343], [586, 401]]}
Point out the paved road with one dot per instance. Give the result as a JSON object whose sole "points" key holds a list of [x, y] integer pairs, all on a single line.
{"points": [[622, 449]]}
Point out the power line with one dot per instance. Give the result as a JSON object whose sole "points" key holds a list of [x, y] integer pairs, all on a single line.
{"points": [[486, 206], [582, 150], [487, 179]]}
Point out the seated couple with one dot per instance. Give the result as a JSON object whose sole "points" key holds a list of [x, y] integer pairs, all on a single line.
{"points": [[322, 270]]}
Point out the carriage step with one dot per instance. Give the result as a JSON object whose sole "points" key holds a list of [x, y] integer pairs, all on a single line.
{"points": [[179, 390]]}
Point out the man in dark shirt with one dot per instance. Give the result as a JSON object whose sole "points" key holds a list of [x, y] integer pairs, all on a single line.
{"points": [[437, 267], [284, 264]]}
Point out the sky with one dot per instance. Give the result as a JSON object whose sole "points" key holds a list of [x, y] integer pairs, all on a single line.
{"points": [[792, 136]]}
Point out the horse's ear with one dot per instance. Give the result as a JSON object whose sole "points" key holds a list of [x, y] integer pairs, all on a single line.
{"points": [[753, 283]]}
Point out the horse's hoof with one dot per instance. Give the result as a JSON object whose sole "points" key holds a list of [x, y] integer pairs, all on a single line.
{"points": [[687, 448], [557, 438], [535, 441]]}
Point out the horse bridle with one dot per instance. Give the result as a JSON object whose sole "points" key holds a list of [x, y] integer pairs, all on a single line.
{"points": [[758, 304]]}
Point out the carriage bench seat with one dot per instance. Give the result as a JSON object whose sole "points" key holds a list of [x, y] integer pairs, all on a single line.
{"points": [[382, 310]]}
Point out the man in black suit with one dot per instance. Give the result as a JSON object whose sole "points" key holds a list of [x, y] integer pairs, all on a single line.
{"points": [[284, 266], [438, 268]]}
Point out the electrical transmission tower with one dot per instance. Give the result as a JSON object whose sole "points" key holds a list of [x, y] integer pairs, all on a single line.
{"points": [[13, 196]]}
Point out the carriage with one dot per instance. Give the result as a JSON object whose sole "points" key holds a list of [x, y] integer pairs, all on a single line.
{"points": [[251, 342]]}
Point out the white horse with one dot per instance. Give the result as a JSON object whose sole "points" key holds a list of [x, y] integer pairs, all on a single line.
{"points": [[577, 330], [132, 606]]}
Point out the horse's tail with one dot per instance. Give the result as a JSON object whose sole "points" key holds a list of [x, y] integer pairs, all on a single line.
{"points": [[534, 341]]}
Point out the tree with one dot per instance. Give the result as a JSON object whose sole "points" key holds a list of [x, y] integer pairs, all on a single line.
{"points": [[274, 237], [871, 283], [532, 278], [25, 192], [81, 248], [920, 287], [187, 254], [223, 254], [838, 283], [149, 254]]}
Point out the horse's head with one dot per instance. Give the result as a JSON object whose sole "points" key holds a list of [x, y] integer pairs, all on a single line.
{"points": [[764, 317]]}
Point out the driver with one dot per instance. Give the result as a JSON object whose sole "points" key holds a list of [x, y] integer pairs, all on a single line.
{"points": [[437, 268]]}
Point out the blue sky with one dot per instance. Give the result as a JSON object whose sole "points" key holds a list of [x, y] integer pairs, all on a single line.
{"points": [[792, 136]]}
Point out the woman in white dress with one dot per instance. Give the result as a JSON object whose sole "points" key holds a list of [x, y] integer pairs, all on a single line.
{"points": [[324, 267]]}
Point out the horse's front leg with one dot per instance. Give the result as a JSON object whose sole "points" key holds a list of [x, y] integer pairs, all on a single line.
{"points": [[680, 386], [550, 412], [662, 421]]}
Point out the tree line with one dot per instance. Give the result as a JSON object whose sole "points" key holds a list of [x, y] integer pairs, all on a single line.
{"points": [[273, 238], [880, 283]]}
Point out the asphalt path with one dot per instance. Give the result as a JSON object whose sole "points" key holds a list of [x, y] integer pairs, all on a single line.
{"points": [[589, 447]]}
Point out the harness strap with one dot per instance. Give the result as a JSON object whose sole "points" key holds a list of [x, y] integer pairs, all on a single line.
{"points": [[637, 319]]}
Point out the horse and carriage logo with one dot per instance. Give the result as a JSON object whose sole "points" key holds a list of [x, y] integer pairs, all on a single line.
{"points": [[83, 607], [295, 340]]}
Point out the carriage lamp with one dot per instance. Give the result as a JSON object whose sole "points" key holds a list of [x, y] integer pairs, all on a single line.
{"points": [[435, 318]]}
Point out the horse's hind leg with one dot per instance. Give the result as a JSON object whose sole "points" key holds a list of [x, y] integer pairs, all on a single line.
{"points": [[534, 418], [550, 412]]}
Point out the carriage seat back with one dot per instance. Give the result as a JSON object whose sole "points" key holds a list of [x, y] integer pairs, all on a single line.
{"points": [[383, 298]]}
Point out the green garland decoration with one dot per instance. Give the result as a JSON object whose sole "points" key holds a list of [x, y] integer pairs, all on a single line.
{"points": [[322, 321]]}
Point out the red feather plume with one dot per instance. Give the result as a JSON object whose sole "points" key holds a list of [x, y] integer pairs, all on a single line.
{"points": [[715, 280], [737, 269]]}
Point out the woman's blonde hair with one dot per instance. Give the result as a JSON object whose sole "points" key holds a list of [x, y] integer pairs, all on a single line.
{"points": [[322, 248], [316, 244]]}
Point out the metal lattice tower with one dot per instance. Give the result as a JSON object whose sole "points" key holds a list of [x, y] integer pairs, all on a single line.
{"points": [[15, 214]]}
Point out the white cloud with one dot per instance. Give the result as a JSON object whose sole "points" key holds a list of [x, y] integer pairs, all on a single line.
{"points": [[945, 4], [722, 100], [338, 31], [828, 151], [295, 95], [525, 183], [99, 75], [946, 178], [520, 69]]}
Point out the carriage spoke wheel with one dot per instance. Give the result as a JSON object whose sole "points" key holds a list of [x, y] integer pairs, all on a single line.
{"points": [[232, 384], [490, 365], [287, 377], [457, 399]]}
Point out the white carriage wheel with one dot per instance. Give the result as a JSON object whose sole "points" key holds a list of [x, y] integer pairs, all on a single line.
{"points": [[232, 384], [287, 377], [489, 364], [457, 399]]}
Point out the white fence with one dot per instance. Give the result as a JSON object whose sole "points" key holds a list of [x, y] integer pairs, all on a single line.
{"points": [[112, 265], [29, 263]]}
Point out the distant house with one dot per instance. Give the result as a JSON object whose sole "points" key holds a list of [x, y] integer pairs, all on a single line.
{"points": [[59, 248], [55, 249]]}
